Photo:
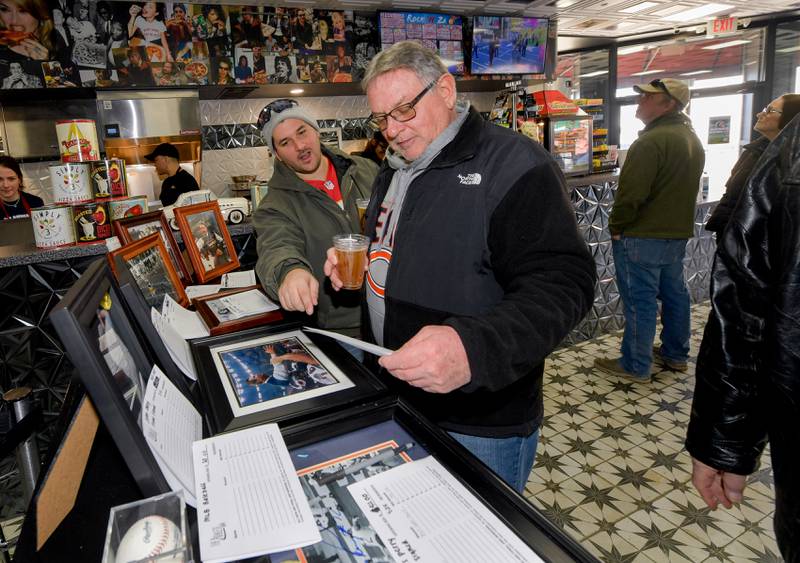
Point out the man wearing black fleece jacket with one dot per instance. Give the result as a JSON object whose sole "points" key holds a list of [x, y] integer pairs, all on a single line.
{"points": [[477, 270]]}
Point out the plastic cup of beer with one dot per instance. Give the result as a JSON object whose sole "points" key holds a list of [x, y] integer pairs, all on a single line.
{"points": [[351, 255], [362, 204]]}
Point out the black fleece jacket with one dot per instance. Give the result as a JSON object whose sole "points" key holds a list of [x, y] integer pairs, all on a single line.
{"points": [[487, 243]]}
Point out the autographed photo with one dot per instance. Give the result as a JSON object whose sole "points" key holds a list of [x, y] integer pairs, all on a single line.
{"points": [[326, 469], [275, 370]]}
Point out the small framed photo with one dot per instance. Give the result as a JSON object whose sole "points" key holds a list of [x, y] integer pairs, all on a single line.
{"points": [[130, 229], [236, 309], [207, 240], [149, 265], [276, 373]]}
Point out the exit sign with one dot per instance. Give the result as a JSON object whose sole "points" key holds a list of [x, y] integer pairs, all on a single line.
{"points": [[722, 26]]}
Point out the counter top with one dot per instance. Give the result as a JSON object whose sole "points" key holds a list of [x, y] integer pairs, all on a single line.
{"points": [[23, 251], [591, 179]]}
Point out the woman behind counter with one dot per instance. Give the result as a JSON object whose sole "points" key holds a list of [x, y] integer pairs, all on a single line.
{"points": [[13, 201]]}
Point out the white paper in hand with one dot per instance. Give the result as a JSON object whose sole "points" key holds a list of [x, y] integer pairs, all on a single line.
{"points": [[360, 344]]}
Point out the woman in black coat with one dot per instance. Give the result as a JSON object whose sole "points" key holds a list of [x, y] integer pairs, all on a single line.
{"points": [[747, 388], [769, 123]]}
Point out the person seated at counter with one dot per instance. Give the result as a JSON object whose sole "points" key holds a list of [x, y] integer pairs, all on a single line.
{"points": [[178, 181], [14, 201]]}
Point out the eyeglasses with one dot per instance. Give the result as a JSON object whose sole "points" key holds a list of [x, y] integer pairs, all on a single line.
{"points": [[402, 113], [770, 109], [277, 106]]}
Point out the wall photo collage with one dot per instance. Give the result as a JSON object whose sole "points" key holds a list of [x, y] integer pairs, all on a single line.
{"points": [[102, 44]]}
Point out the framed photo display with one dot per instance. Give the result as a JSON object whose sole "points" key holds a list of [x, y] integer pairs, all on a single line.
{"points": [[101, 342], [130, 229], [477, 517], [139, 312], [207, 240], [236, 309], [150, 267], [272, 374]]}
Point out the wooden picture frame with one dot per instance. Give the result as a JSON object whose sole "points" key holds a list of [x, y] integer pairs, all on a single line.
{"points": [[208, 307], [207, 240], [222, 364], [101, 342], [131, 229], [150, 267]]}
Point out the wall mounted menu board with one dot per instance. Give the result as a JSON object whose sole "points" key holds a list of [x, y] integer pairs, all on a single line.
{"points": [[441, 32]]}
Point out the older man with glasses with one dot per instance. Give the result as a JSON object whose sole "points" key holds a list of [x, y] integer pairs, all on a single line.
{"points": [[312, 196], [476, 267], [650, 223]]}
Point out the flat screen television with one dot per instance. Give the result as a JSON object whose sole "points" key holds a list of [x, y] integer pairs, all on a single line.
{"points": [[510, 45], [440, 32]]}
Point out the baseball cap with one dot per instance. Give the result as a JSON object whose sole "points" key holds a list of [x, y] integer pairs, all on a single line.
{"points": [[678, 90], [164, 149], [276, 113]]}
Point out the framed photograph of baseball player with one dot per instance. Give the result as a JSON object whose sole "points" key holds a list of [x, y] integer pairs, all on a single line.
{"points": [[130, 229], [113, 364], [276, 373], [372, 472], [149, 265], [207, 240]]}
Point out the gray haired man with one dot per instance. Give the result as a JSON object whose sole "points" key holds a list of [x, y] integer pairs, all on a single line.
{"points": [[476, 268]]}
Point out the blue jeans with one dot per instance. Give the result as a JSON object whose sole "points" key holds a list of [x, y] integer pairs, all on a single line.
{"points": [[511, 458], [647, 270]]}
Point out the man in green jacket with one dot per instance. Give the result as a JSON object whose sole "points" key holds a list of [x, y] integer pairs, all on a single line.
{"points": [[312, 196], [652, 219]]}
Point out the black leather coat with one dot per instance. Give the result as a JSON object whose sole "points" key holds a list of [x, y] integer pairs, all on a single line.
{"points": [[748, 369], [735, 184]]}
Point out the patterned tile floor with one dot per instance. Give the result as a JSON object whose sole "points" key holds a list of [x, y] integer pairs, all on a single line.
{"points": [[611, 469]]}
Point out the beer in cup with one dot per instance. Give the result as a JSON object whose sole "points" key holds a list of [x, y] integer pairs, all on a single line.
{"points": [[362, 204], [351, 257]]}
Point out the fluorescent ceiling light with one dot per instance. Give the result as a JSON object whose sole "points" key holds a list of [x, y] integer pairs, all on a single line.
{"points": [[698, 13], [646, 72], [638, 7], [630, 50], [733, 43], [788, 49], [565, 3], [695, 72], [668, 11], [595, 73]]}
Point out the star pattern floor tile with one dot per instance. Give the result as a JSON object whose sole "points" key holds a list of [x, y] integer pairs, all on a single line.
{"points": [[611, 469]]}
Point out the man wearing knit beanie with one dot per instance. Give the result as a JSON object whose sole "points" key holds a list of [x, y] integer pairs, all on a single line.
{"points": [[312, 196]]}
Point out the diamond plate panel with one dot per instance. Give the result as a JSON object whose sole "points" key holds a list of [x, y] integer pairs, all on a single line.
{"points": [[592, 208]]}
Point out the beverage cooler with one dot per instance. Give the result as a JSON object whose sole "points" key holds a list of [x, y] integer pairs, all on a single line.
{"points": [[569, 140]]}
